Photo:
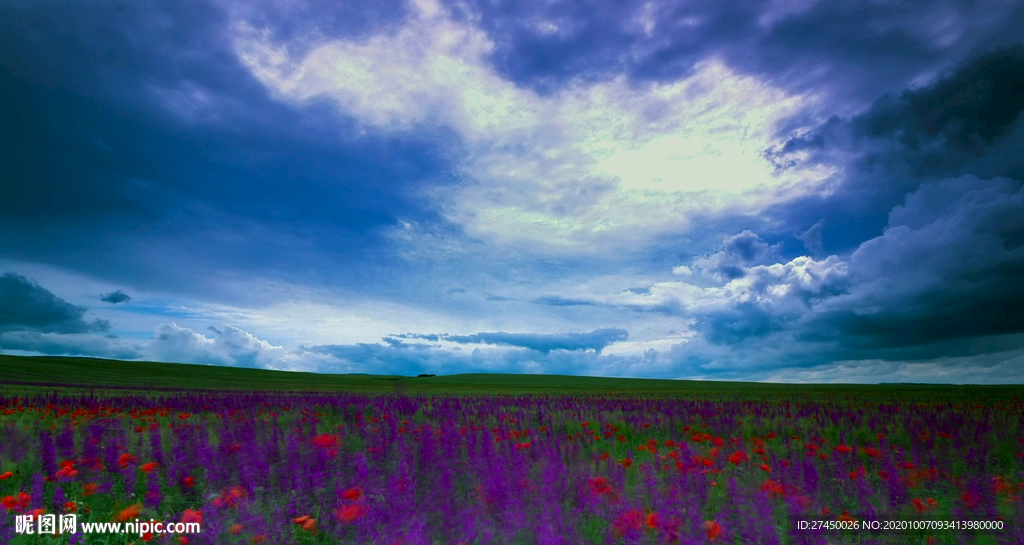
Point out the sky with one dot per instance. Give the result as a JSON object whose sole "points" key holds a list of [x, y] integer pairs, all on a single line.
{"points": [[780, 191]]}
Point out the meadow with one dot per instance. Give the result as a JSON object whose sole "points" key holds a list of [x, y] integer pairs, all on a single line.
{"points": [[263, 457]]}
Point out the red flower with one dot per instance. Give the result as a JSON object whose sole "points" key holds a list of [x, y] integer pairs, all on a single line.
{"points": [[652, 521], [67, 471], [919, 505], [90, 489], [6, 475], [872, 452], [713, 529], [236, 529], [350, 513], [148, 467], [192, 516], [189, 481], [70, 507], [738, 457], [125, 460], [774, 489], [326, 440], [599, 485], [16, 503], [129, 513], [766, 468], [843, 449], [231, 497], [355, 494], [630, 520]]}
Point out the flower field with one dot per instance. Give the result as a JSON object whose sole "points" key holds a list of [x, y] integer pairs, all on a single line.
{"points": [[303, 468]]}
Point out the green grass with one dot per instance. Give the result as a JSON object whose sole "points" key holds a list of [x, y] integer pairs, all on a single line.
{"points": [[22, 373]]}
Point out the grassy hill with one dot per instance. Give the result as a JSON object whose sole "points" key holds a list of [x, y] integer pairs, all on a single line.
{"points": [[21, 373]]}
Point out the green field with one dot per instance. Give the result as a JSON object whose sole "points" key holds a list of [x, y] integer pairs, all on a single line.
{"points": [[22, 373]]}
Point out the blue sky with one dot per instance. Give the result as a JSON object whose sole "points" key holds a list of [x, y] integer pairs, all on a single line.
{"points": [[798, 191]]}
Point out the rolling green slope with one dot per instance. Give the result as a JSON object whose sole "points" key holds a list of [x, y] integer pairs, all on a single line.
{"points": [[21, 373]]}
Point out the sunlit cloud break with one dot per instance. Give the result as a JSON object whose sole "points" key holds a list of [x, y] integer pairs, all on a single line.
{"points": [[595, 165]]}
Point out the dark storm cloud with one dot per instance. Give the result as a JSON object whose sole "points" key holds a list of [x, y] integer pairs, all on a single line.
{"points": [[115, 297], [846, 48], [942, 280], [25, 305], [943, 127], [137, 121], [967, 121], [594, 340], [948, 266]]}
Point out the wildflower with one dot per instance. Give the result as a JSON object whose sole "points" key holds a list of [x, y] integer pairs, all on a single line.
{"points": [[16, 503], [192, 516], [326, 441], [843, 449], [125, 460], [738, 457], [766, 468], [236, 529], [872, 452], [626, 462], [148, 467], [355, 493], [599, 485], [712, 529], [652, 521], [90, 489], [630, 520], [306, 523], [6, 475], [231, 497], [919, 505], [350, 513], [70, 507], [774, 489], [129, 513], [189, 481]]}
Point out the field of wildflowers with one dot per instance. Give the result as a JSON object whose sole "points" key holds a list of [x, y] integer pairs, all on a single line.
{"points": [[390, 469]]}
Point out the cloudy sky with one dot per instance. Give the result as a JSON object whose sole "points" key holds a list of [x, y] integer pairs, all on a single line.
{"points": [[785, 190]]}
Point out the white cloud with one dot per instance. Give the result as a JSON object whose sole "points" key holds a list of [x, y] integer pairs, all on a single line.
{"points": [[592, 166]]}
